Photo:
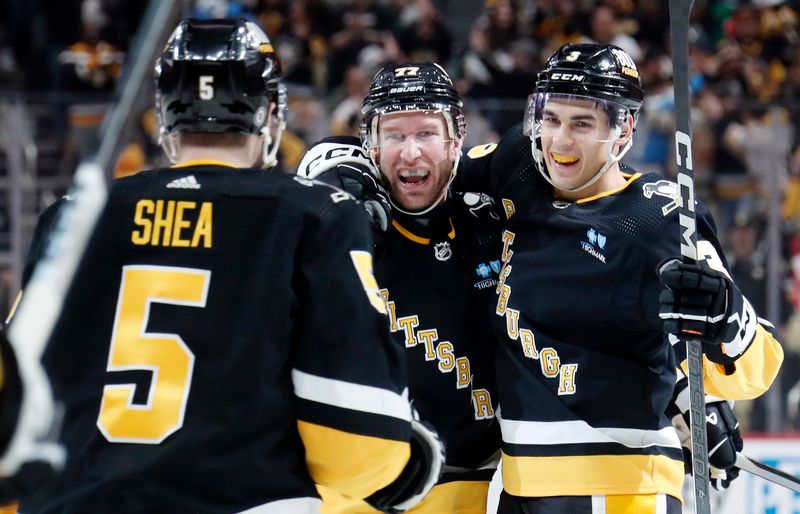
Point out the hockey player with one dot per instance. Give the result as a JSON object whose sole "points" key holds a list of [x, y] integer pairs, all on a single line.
{"points": [[585, 372], [224, 344], [437, 265]]}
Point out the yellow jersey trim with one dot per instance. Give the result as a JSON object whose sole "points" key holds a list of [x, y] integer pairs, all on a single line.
{"points": [[629, 181], [458, 497], [355, 465], [754, 371], [589, 475], [203, 162], [419, 239]]}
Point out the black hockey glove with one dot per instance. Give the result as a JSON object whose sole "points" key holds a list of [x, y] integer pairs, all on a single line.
{"points": [[341, 161], [421, 473], [722, 430], [705, 304]]}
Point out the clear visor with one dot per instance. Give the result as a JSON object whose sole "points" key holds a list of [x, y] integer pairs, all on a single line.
{"points": [[425, 134], [577, 116]]}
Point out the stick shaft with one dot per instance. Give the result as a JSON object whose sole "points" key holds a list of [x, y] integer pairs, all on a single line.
{"points": [[679, 11], [774, 475]]}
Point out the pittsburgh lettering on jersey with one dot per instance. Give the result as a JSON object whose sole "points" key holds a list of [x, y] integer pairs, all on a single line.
{"points": [[440, 352], [173, 223], [549, 361]]}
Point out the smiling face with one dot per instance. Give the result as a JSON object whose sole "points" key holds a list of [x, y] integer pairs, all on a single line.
{"points": [[577, 142], [415, 157]]}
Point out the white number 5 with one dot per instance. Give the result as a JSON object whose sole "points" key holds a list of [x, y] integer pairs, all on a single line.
{"points": [[206, 87]]}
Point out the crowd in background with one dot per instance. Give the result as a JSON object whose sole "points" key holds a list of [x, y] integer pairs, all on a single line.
{"points": [[745, 80]]}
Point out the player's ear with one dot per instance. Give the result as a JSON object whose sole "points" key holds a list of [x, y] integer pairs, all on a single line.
{"points": [[626, 131], [457, 144]]}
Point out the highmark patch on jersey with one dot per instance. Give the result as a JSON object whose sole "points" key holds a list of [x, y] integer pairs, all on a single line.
{"points": [[595, 244], [487, 274]]}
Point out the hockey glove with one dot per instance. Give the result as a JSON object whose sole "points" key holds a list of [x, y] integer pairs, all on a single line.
{"points": [[421, 473], [722, 430], [341, 162], [702, 303]]}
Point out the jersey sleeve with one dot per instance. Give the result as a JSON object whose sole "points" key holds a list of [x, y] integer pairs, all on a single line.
{"points": [[353, 412], [756, 369], [505, 171]]}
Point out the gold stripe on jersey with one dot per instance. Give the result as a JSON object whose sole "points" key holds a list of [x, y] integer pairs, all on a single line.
{"points": [[203, 162], [419, 239], [458, 497], [755, 370], [355, 465], [634, 504], [629, 181], [591, 475]]}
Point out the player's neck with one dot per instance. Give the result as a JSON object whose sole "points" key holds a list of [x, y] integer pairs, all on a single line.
{"points": [[612, 179], [233, 156]]}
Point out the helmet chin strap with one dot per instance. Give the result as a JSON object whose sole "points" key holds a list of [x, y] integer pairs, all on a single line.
{"points": [[269, 156], [612, 159], [437, 202], [168, 144]]}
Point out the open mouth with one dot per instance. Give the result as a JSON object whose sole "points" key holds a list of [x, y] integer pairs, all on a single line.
{"points": [[414, 177], [564, 160]]}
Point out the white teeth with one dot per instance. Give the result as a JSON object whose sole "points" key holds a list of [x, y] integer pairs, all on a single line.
{"points": [[414, 173]]}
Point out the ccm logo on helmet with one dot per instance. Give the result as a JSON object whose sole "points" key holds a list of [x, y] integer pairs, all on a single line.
{"points": [[567, 77], [405, 89]]}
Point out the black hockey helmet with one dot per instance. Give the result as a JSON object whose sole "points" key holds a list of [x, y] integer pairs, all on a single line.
{"points": [[606, 72], [601, 74], [217, 76], [408, 88]]}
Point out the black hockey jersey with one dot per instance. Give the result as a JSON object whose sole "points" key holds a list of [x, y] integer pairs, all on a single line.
{"points": [[223, 347], [438, 281], [584, 371]]}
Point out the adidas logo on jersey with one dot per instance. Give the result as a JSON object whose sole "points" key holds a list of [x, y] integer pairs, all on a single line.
{"points": [[184, 183]]}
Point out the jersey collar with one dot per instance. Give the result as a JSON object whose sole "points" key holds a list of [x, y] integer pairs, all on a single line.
{"points": [[203, 162], [630, 178], [419, 239]]}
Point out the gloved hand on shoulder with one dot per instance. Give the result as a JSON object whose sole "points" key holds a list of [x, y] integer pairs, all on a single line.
{"points": [[341, 161]]}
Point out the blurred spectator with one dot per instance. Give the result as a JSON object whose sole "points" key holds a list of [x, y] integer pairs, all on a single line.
{"points": [[302, 42], [557, 22], [606, 29], [425, 38], [207, 9], [91, 63], [656, 123], [361, 24], [346, 115], [735, 188]]}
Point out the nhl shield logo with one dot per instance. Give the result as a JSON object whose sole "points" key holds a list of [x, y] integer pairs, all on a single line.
{"points": [[442, 251]]}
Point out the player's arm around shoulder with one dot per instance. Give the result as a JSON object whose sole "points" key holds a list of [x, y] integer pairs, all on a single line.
{"points": [[349, 379]]}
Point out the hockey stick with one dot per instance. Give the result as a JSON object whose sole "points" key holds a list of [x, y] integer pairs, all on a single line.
{"points": [[774, 475], [679, 11], [33, 436]]}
